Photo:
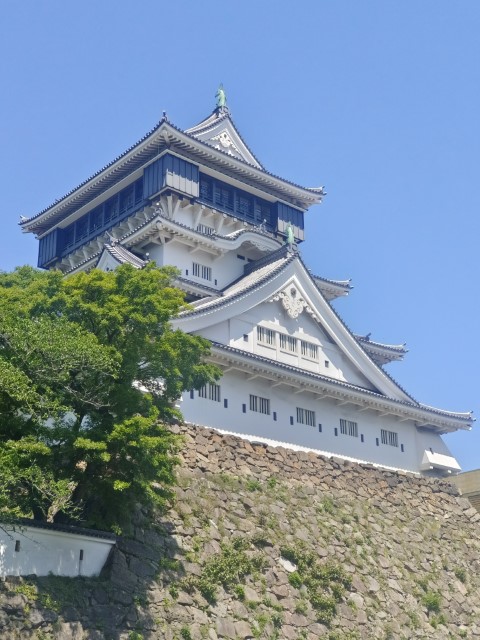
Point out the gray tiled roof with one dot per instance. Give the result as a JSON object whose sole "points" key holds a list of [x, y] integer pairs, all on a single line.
{"points": [[123, 255], [138, 162], [40, 524], [464, 417]]}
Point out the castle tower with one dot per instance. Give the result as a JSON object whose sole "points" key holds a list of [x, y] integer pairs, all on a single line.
{"points": [[293, 373]]}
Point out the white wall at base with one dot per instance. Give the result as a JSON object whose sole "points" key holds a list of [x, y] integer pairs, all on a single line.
{"points": [[233, 413], [27, 550]]}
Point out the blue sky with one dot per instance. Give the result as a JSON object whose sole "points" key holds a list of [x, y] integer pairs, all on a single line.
{"points": [[378, 101]]}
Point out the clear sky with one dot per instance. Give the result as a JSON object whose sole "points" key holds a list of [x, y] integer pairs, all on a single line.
{"points": [[377, 100]]}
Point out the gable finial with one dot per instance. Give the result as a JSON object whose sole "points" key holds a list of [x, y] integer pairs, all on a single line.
{"points": [[221, 98]]}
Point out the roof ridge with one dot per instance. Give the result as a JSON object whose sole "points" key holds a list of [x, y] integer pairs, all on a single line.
{"points": [[344, 324]]}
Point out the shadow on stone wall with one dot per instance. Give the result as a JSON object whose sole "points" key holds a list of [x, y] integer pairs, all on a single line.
{"points": [[121, 603], [410, 546]]}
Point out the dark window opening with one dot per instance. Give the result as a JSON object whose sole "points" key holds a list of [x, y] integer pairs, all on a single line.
{"points": [[236, 201]]}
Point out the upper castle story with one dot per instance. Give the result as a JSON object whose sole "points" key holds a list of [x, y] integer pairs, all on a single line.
{"points": [[210, 190]]}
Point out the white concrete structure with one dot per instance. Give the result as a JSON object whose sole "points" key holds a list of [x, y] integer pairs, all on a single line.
{"points": [[292, 371], [39, 548]]}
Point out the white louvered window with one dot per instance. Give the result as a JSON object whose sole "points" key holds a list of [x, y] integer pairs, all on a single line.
{"points": [[348, 428], [308, 350], [260, 405], [266, 336], [305, 416], [201, 271], [389, 437], [287, 343]]}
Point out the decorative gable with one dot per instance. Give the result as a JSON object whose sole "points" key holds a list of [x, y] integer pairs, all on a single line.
{"points": [[219, 132], [292, 301]]}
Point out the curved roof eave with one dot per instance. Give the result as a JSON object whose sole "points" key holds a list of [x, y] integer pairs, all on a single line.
{"points": [[447, 420], [145, 150]]}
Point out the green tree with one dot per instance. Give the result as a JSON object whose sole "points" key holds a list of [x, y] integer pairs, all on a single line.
{"points": [[90, 370]]}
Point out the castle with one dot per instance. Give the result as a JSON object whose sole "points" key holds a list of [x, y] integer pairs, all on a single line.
{"points": [[293, 372]]}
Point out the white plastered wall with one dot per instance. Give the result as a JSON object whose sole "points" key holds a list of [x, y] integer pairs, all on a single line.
{"points": [[45, 551], [225, 268], [236, 389], [241, 333]]}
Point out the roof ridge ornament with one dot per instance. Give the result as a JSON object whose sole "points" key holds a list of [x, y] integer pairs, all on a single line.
{"points": [[221, 98]]}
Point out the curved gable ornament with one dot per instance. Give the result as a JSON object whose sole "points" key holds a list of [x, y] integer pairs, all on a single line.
{"points": [[225, 140], [292, 302]]}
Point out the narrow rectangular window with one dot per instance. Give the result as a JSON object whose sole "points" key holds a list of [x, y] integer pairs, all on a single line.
{"points": [[305, 416], [288, 343], [259, 404], [291, 420], [210, 391], [361, 438], [245, 337], [17, 545], [192, 394], [244, 408], [214, 392], [377, 442], [201, 271], [348, 428], [266, 336], [335, 430], [308, 350], [402, 448], [389, 437], [225, 403], [275, 416]]}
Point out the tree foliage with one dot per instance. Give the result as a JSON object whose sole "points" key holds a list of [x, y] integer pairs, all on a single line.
{"points": [[90, 369]]}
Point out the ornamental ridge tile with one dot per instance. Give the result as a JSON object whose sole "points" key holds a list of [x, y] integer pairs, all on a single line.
{"points": [[399, 348], [345, 284]]}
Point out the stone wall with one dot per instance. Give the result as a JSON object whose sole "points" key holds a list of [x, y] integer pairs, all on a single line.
{"points": [[270, 543]]}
